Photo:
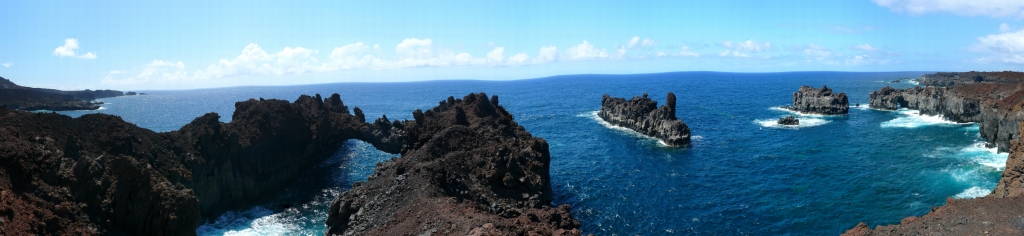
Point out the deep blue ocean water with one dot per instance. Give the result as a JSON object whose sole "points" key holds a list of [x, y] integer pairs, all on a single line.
{"points": [[742, 174]]}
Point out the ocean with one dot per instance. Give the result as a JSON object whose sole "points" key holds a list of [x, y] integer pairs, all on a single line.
{"points": [[742, 174]]}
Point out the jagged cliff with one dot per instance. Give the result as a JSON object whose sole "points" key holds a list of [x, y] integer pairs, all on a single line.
{"points": [[995, 106], [466, 169], [998, 213], [97, 174], [643, 115], [820, 101]]}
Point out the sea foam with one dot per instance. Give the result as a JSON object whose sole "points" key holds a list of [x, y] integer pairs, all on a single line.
{"points": [[973, 192], [593, 115], [806, 120], [914, 119]]}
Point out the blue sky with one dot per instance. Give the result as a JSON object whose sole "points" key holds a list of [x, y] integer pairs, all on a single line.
{"points": [[198, 44]]}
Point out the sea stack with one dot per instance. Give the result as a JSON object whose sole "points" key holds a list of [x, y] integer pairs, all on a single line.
{"points": [[789, 120], [820, 101], [643, 115]]}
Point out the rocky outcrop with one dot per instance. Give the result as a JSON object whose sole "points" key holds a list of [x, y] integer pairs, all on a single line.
{"points": [[820, 101], [644, 116], [97, 174], [34, 99], [789, 120], [999, 213], [995, 106], [466, 169]]}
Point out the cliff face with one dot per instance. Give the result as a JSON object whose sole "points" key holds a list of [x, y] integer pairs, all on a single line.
{"points": [[466, 169], [97, 174], [643, 115], [996, 107], [998, 213], [820, 101]]}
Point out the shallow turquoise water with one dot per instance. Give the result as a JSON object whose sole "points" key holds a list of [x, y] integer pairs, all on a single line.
{"points": [[742, 175]]}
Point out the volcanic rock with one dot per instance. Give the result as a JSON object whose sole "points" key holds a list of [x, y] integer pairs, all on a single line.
{"points": [[820, 101], [34, 99], [789, 120], [644, 116], [466, 168]]}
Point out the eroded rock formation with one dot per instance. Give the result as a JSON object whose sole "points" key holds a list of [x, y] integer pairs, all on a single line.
{"points": [[98, 174], [820, 101], [466, 169], [789, 120], [643, 115]]}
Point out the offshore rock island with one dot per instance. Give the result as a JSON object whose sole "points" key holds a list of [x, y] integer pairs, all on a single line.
{"points": [[819, 101], [466, 169], [643, 115], [992, 99], [99, 175]]}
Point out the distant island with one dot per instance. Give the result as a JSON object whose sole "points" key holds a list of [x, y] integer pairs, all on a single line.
{"points": [[15, 96]]}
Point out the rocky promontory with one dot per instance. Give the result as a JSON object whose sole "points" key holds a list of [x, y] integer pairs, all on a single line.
{"points": [[820, 101], [467, 168], [644, 116], [999, 213], [33, 99], [992, 100]]}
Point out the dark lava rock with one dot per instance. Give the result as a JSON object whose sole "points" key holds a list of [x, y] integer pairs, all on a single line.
{"points": [[466, 168], [999, 213], [98, 174], [789, 120], [34, 99], [129, 93], [820, 101], [643, 115], [995, 106]]}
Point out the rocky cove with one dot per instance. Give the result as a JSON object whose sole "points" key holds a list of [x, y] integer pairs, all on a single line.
{"points": [[99, 175]]}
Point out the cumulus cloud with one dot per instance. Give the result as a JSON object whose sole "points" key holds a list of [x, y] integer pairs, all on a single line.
{"points": [[864, 47], [585, 51], [7, 64], [991, 8], [68, 50], [747, 46], [548, 54], [156, 71], [1004, 47]]}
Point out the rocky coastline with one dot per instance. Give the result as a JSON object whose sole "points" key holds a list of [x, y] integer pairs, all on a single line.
{"points": [[999, 213], [466, 168], [822, 101], [99, 175], [994, 101], [34, 99], [644, 116]]}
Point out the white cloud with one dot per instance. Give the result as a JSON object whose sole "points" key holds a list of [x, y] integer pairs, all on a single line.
{"points": [[1004, 47], [585, 51], [864, 47], [1004, 28], [687, 53], [518, 59], [7, 64], [991, 8], [635, 41], [548, 54], [255, 61], [647, 43], [819, 52], [748, 46], [68, 50], [156, 71], [728, 53]]}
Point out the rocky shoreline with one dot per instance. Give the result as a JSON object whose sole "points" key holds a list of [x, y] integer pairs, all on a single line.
{"points": [[993, 102], [644, 116], [820, 101], [14, 96], [99, 175]]}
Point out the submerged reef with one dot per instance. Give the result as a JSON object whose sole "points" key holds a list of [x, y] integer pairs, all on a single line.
{"points": [[644, 116], [819, 101]]}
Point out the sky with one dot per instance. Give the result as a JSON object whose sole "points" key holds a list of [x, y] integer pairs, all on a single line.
{"points": [[144, 45]]}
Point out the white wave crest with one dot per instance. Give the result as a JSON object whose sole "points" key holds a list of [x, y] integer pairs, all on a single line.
{"points": [[914, 119], [593, 115], [985, 156], [804, 123], [973, 192], [255, 221]]}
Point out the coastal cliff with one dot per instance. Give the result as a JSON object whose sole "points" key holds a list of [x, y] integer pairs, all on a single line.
{"points": [[644, 116], [820, 101], [999, 213], [33, 99], [994, 104], [466, 169], [99, 175]]}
